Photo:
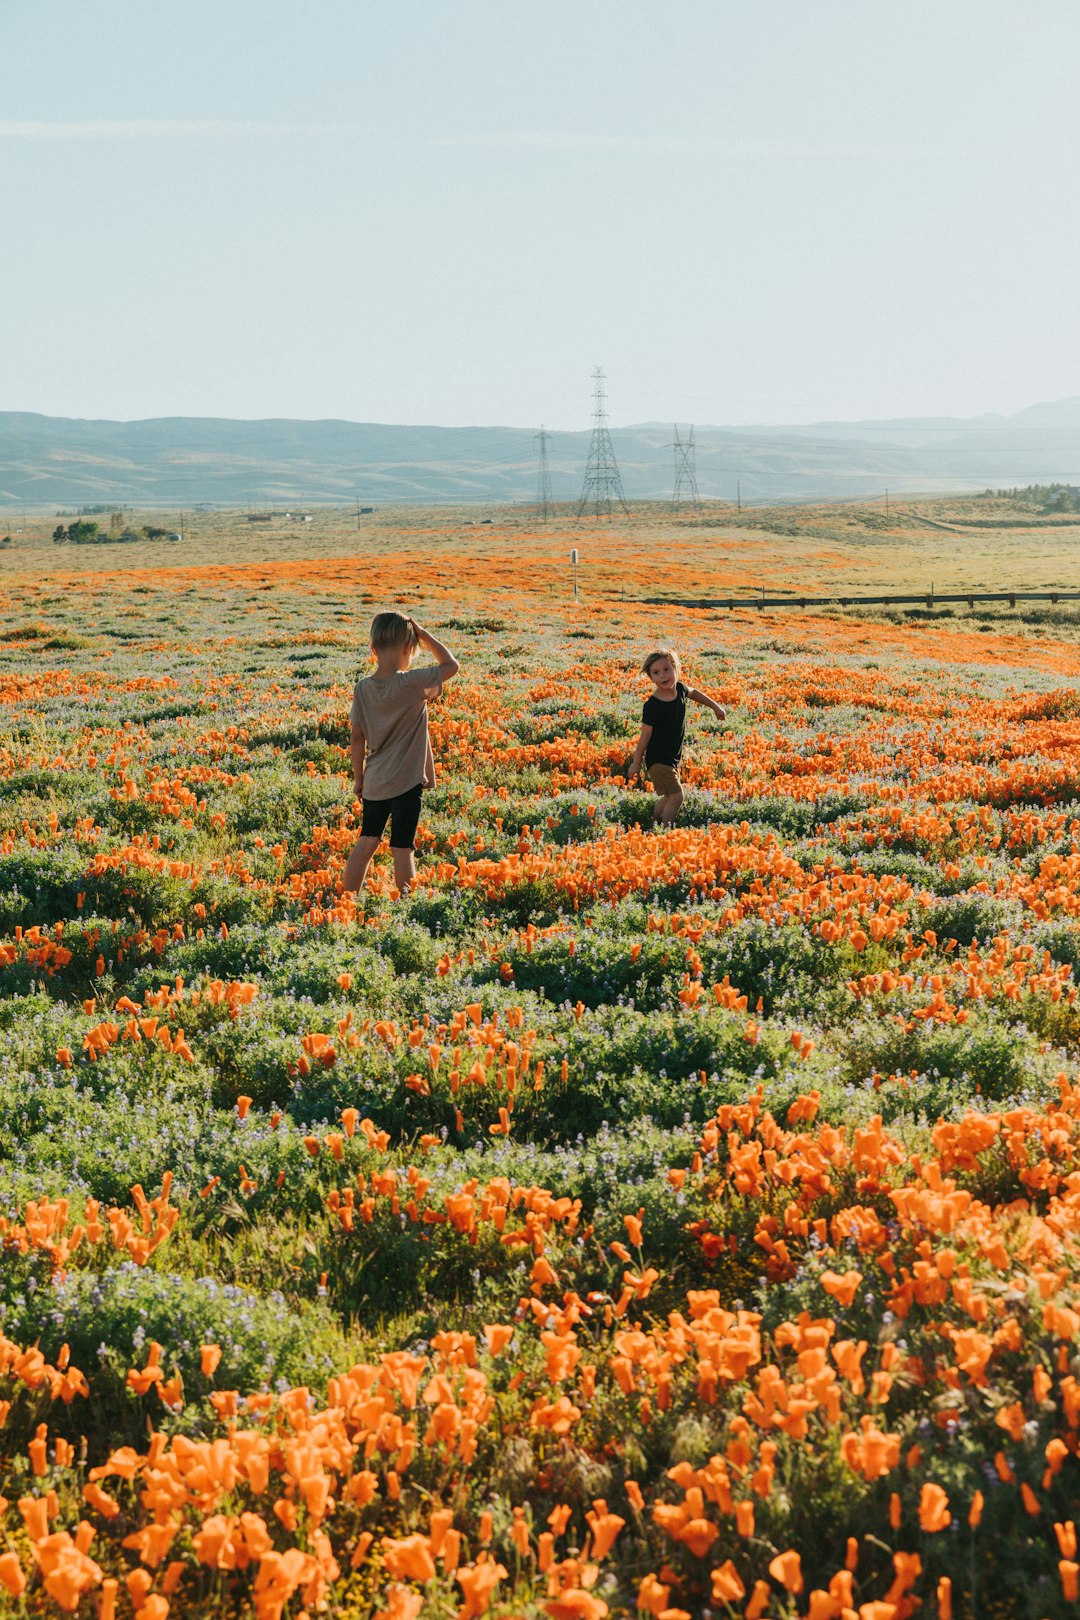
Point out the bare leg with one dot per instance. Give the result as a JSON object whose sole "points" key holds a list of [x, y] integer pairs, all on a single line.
{"points": [[404, 869], [669, 808], [357, 864]]}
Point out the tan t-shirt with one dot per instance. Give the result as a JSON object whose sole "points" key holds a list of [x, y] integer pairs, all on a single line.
{"points": [[392, 714]]}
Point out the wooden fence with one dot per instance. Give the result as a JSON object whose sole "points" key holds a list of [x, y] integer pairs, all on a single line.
{"points": [[928, 600]]}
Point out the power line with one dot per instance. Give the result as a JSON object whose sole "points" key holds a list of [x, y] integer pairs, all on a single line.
{"points": [[602, 486], [543, 488], [686, 489]]}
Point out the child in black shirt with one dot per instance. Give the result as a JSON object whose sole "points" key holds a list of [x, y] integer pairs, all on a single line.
{"points": [[663, 720]]}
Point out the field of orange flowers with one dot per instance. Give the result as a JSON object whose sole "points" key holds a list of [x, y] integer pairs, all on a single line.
{"points": [[628, 1222]]}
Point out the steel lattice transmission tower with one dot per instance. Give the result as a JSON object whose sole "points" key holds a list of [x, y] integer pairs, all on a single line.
{"points": [[603, 486], [543, 486], [686, 490]]}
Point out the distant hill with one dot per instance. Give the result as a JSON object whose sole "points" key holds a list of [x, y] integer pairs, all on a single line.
{"points": [[181, 461]]}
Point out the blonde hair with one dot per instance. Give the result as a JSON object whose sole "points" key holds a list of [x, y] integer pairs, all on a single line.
{"points": [[655, 656], [392, 630]]}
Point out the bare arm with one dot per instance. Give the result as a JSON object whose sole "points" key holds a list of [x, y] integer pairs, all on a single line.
{"points": [[358, 750], [446, 664], [710, 703], [639, 751]]}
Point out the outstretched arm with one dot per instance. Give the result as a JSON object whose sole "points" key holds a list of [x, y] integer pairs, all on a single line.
{"points": [[710, 703], [446, 664], [639, 752]]}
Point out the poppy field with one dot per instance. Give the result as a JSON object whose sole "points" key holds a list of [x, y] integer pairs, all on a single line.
{"points": [[629, 1221]]}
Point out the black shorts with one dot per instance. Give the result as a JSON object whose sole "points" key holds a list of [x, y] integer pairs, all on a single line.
{"points": [[403, 814]]}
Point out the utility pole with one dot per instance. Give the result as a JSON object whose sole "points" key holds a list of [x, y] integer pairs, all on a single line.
{"points": [[738, 495], [358, 512], [886, 503], [685, 471], [602, 486], [543, 486]]}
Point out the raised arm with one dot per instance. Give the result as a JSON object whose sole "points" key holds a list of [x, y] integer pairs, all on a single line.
{"points": [[710, 703], [639, 751], [446, 663]]}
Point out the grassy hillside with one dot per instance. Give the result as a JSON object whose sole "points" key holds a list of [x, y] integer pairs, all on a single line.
{"points": [[185, 460]]}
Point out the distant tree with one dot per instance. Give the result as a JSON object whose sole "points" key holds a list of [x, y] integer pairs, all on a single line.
{"points": [[153, 533], [60, 535], [82, 532], [1046, 497]]}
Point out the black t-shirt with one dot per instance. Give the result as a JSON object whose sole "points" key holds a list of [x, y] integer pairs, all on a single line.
{"points": [[668, 721]]}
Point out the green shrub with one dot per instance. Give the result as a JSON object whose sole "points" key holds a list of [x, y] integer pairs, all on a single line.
{"points": [[109, 1319]]}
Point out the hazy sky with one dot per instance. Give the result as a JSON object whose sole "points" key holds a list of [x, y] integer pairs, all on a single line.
{"points": [[449, 211]]}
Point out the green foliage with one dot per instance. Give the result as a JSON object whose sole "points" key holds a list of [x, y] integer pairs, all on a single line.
{"points": [[109, 1319]]}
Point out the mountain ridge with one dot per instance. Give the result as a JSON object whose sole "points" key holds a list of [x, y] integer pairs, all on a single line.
{"points": [[230, 461]]}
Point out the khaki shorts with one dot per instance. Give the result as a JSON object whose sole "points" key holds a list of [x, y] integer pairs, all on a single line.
{"points": [[665, 779]]}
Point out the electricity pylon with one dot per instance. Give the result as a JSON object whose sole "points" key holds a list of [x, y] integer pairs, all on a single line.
{"points": [[686, 490], [602, 486], [543, 487]]}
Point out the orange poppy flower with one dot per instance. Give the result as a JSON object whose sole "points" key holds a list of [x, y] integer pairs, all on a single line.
{"points": [[934, 1512], [760, 1598], [209, 1359], [409, 1557], [605, 1528], [842, 1287], [478, 1582], [727, 1585], [12, 1578], [574, 1603], [1066, 1538], [787, 1569]]}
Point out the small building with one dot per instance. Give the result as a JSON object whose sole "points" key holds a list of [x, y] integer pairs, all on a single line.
{"points": [[260, 517]]}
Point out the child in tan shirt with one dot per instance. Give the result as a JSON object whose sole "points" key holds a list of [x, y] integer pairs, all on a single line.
{"points": [[391, 749]]}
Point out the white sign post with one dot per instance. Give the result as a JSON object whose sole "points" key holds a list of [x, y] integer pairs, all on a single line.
{"points": [[574, 562]]}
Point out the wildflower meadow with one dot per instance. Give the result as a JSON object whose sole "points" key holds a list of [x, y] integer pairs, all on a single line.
{"points": [[627, 1222]]}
